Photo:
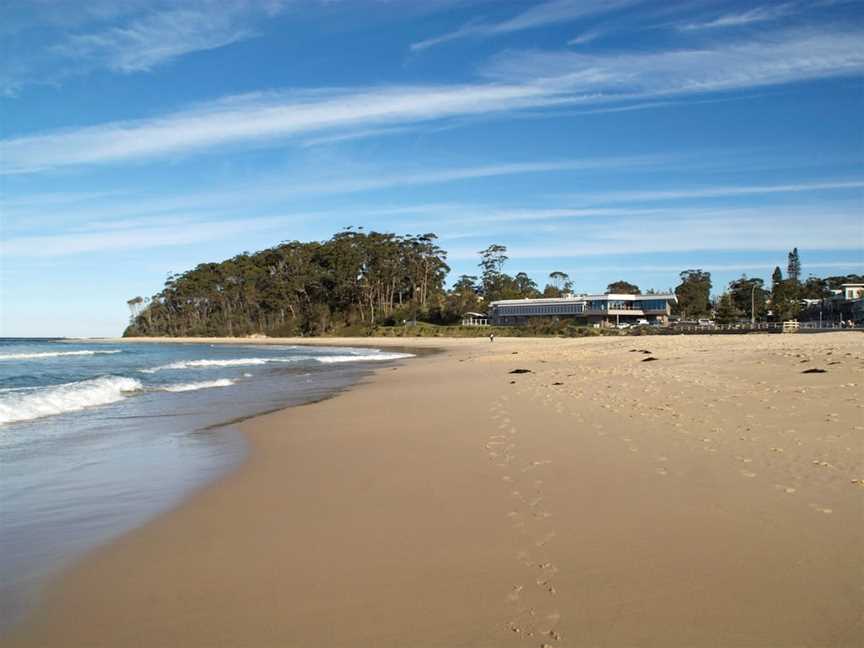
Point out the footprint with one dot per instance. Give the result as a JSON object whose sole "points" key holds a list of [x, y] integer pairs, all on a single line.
{"points": [[747, 473], [545, 539], [515, 593]]}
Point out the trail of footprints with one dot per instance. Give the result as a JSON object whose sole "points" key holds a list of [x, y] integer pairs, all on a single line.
{"points": [[534, 617]]}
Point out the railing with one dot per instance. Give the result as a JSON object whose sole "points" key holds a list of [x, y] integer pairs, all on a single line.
{"points": [[763, 326]]}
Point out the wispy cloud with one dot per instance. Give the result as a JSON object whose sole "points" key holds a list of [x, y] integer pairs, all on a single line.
{"points": [[713, 192], [742, 18], [126, 36], [277, 190], [786, 57], [555, 11], [683, 230], [544, 232], [263, 119], [154, 39]]}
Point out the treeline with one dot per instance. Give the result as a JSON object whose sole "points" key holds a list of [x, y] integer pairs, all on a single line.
{"points": [[748, 298], [354, 278], [358, 280]]}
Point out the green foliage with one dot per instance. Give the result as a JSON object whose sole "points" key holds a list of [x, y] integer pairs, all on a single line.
{"points": [[748, 293], [726, 311], [793, 267], [622, 288], [694, 294], [314, 288]]}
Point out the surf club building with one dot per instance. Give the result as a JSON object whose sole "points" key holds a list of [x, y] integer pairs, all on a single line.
{"points": [[601, 310]]}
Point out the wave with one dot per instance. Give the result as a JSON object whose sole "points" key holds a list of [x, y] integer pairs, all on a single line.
{"points": [[69, 397], [376, 356], [194, 386], [237, 362], [363, 357], [54, 354]]}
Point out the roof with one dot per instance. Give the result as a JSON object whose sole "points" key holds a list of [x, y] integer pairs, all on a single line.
{"points": [[542, 301]]}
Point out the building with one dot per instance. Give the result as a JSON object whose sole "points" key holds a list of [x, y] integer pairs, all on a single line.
{"points": [[846, 304], [608, 310]]}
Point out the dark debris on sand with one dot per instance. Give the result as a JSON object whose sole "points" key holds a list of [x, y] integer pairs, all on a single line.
{"points": [[814, 370], [521, 371], [652, 359]]}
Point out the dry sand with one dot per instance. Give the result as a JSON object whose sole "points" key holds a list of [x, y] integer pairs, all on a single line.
{"points": [[708, 498]]}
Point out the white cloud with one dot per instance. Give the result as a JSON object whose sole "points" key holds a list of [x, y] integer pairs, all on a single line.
{"points": [[714, 192], [155, 39], [739, 19], [787, 57], [685, 230], [273, 191], [124, 36], [555, 11], [539, 80], [262, 119]]}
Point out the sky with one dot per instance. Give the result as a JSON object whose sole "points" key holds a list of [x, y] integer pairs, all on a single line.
{"points": [[617, 139]]}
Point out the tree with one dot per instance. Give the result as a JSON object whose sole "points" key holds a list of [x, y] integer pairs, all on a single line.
{"points": [[694, 293], [747, 293], [492, 261], [785, 297], [622, 288], [793, 268], [815, 288], [725, 311], [525, 285]]}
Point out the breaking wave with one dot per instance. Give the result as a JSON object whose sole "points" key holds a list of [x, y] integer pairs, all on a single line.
{"points": [[364, 357], [194, 386], [69, 397], [54, 354], [197, 364]]}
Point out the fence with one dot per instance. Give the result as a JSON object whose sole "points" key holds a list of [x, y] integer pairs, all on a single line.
{"points": [[777, 327]]}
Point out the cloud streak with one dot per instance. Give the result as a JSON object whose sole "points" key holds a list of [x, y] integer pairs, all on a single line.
{"points": [[262, 118], [787, 57], [547, 13], [743, 18], [126, 36], [714, 192], [519, 81]]}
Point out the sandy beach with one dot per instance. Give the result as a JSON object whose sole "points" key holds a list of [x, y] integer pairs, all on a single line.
{"points": [[627, 491]]}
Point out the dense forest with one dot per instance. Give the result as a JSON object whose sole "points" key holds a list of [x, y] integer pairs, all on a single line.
{"points": [[358, 280]]}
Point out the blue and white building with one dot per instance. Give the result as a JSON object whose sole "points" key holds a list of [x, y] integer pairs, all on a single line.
{"points": [[606, 309]]}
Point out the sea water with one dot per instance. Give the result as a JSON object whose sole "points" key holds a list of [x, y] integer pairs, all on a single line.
{"points": [[96, 438]]}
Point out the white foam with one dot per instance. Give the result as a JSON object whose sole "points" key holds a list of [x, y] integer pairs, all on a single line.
{"points": [[237, 362], [194, 386], [363, 357], [54, 354], [69, 397]]}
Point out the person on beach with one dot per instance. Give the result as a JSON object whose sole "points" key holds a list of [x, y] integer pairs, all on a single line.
{"points": [[491, 337]]}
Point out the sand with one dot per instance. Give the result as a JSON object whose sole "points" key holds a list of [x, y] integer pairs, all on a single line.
{"points": [[710, 497]]}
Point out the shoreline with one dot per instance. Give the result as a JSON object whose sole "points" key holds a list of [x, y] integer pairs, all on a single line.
{"points": [[387, 514]]}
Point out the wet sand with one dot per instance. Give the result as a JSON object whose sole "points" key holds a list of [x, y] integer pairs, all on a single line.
{"points": [[710, 497]]}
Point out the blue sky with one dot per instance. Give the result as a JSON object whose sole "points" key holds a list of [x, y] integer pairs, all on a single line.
{"points": [[609, 140]]}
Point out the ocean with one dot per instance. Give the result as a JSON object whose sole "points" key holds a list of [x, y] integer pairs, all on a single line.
{"points": [[96, 438]]}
